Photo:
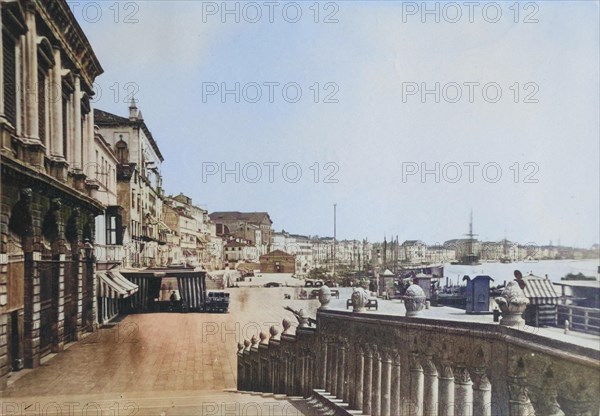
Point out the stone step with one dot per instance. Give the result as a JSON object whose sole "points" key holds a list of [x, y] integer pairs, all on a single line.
{"points": [[210, 403]]}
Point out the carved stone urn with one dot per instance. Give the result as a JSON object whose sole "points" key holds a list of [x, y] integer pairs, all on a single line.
{"points": [[324, 297], [512, 303], [303, 319], [360, 297], [414, 300]]}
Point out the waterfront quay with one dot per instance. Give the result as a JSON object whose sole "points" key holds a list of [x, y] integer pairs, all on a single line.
{"points": [[188, 363]]}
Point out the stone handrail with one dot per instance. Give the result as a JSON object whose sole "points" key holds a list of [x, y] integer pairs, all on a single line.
{"points": [[391, 365]]}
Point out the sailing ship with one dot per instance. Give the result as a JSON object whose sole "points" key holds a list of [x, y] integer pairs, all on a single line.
{"points": [[470, 258]]}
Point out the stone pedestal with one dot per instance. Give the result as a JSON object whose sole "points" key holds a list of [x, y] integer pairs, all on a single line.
{"points": [[414, 300]]}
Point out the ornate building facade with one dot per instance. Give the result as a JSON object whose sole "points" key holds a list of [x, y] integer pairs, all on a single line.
{"points": [[139, 186], [47, 286]]}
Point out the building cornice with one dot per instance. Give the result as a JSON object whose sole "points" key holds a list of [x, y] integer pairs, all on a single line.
{"points": [[57, 15]]}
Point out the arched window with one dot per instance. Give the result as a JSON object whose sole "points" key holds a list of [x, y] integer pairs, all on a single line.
{"points": [[122, 151]]}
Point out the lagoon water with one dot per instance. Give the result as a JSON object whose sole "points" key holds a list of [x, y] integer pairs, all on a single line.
{"points": [[555, 269]]}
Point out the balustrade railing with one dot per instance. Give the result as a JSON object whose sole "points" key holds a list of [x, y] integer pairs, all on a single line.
{"points": [[390, 365]]}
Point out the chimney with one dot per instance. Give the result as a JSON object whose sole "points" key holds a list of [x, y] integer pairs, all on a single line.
{"points": [[133, 110]]}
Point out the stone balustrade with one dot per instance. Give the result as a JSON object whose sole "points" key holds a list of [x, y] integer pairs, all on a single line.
{"points": [[391, 365]]}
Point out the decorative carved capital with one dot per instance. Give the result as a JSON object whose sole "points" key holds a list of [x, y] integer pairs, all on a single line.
{"points": [[429, 367], [461, 375]]}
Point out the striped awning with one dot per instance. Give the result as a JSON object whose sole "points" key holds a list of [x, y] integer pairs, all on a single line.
{"points": [[540, 292], [113, 287], [126, 284]]}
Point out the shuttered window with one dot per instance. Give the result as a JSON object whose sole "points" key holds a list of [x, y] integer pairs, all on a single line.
{"points": [[10, 79]]}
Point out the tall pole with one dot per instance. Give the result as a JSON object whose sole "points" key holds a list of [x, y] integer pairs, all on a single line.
{"points": [[334, 236]]}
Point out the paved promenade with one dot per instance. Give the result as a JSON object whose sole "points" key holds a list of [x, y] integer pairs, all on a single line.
{"points": [[158, 364]]}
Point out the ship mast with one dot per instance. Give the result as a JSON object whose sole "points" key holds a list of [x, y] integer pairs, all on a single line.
{"points": [[471, 254]]}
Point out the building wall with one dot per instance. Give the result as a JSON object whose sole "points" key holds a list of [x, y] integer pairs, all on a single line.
{"points": [[47, 206], [277, 262]]}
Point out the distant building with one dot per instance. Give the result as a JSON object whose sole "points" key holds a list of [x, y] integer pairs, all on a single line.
{"points": [[413, 251], [139, 183], [200, 244], [238, 250], [298, 245], [278, 261], [251, 226]]}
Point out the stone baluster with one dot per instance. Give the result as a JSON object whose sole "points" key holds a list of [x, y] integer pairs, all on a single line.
{"points": [[274, 343], [255, 362], [416, 386], [329, 366], [463, 392], [359, 374], [247, 365], [300, 375], [367, 380], [341, 370], [323, 363], [309, 374], [519, 403], [548, 403], [376, 382], [482, 393], [348, 392], [446, 390], [263, 367], [386, 382], [334, 368], [430, 393], [240, 367], [395, 403]]}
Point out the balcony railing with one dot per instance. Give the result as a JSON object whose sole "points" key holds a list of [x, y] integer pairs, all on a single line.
{"points": [[354, 363]]}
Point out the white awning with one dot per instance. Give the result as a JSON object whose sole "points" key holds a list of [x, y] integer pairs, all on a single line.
{"points": [[114, 286], [122, 280]]}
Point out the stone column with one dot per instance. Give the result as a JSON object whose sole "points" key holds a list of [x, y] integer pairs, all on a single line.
{"points": [[376, 383], [2, 75], [430, 394], [341, 370], [482, 393], [416, 386], [463, 392], [548, 404], [367, 380], [31, 77], [76, 120], [56, 118], [91, 154], [446, 391], [359, 374], [395, 403], [386, 383]]}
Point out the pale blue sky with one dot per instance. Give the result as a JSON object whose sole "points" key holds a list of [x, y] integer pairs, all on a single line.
{"points": [[369, 53]]}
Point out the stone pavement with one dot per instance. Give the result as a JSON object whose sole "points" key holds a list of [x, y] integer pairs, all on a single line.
{"points": [[158, 364]]}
